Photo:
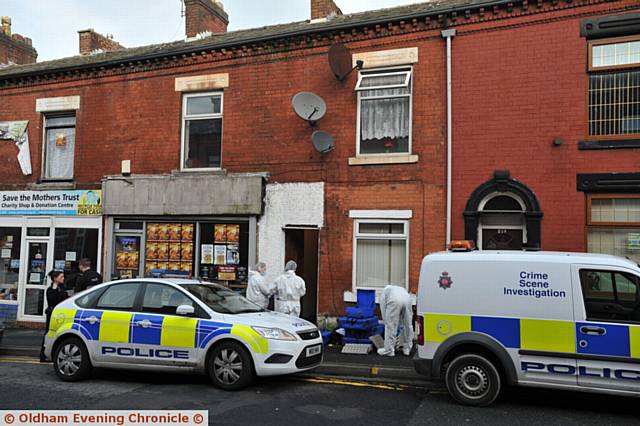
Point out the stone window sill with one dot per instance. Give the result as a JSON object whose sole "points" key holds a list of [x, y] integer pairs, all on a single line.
{"points": [[382, 159], [594, 144]]}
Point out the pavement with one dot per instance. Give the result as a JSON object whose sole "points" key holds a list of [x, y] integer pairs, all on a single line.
{"points": [[23, 342], [28, 385]]}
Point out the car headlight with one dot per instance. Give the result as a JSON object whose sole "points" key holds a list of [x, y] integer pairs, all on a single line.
{"points": [[274, 333]]}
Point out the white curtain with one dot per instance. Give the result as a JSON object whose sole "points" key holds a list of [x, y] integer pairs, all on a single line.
{"points": [[384, 118], [380, 262], [59, 156]]}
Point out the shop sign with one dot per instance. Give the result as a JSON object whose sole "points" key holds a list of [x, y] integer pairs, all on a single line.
{"points": [[56, 203]]}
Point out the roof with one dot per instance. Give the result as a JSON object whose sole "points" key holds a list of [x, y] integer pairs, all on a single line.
{"points": [[240, 37], [536, 256]]}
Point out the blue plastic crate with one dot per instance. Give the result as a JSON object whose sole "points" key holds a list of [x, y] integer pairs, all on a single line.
{"points": [[358, 323]]}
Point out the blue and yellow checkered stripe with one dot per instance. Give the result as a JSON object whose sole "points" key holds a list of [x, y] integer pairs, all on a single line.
{"points": [[122, 327], [537, 334]]}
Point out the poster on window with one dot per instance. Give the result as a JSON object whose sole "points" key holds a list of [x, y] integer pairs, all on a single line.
{"points": [[220, 255], [206, 254], [633, 241], [227, 273], [233, 234], [233, 255], [220, 233]]}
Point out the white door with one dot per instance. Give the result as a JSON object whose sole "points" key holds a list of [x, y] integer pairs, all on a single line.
{"points": [[37, 261]]}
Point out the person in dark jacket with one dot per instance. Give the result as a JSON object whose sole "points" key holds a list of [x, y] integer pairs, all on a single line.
{"points": [[55, 294], [87, 278]]}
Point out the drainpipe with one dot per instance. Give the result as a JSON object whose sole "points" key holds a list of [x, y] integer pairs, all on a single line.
{"points": [[449, 34]]}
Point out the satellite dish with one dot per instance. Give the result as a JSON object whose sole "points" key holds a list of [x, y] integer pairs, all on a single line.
{"points": [[322, 141], [309, 107], [340, 61]]}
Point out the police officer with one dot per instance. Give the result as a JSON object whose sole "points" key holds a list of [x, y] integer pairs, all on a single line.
{"points": [[55, 294], [87, 277]]}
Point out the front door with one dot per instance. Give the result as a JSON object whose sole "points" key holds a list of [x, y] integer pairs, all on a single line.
{"points": [[301, 246], [34, 280], [607, 328]]}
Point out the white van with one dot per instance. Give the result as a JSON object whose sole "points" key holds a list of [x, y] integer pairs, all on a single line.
{"points": [[556, 320]]}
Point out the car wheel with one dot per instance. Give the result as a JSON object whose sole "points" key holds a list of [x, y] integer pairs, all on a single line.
{"points": [[473, 380], [71, 360], [230, 366]]}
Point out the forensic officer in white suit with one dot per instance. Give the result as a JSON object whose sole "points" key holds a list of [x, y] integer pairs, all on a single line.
{"points": [[395, 307], [289, 288]]}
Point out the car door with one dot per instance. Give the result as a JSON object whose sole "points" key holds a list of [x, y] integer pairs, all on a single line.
{"points": [[161, 336], [607, 328], [111, 319]]}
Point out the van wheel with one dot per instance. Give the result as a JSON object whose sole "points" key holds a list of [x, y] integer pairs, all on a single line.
{"points": [[473, 380], [71, 360], [230, 366]]}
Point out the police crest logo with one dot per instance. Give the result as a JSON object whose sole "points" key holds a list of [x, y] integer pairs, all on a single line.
{"points": [[445, 281]]}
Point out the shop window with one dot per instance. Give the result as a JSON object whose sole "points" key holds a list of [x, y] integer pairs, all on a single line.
{"points": [[610, 295], [168, 251], [613, 225], [202, 131], [502, 222], [224, 249], [384, 111], [614, 87], [60, 140], [9, 262], [381, 253], [71, 245]]}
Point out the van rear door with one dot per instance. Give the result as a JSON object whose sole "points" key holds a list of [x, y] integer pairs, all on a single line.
{"points": [[607, 313]]}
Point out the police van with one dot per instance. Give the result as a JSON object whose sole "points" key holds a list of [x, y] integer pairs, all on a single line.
{"points": [[556, 320], [177, 325]]}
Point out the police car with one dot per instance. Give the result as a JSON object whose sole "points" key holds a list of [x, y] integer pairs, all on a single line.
{"points": [[177, 325], [556, 320]]}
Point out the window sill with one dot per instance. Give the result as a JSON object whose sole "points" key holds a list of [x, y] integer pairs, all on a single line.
{"points": [[351, 296], [53, 184], [383, 159], [595, 144], [8, 302]]}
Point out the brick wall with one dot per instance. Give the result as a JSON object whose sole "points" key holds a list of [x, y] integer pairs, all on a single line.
{"points": [[518, 84], [16, 49]]}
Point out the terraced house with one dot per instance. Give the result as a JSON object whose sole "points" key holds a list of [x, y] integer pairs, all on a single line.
{"points": [[456, 119]]}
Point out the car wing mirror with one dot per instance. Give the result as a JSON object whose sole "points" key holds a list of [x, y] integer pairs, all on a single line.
{"points": [[185, 310]]}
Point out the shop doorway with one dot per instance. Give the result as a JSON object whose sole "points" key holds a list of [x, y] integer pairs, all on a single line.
{"points": [[301, 246], [37, 261]]}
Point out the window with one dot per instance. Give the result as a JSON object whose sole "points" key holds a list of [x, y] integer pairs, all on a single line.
{"points": [[610, 295], [614, 87], [381, 253], [162, 299], [60, 141], [119, 297], [10, 239], [613, 225], [384, 111], [202, 131]]}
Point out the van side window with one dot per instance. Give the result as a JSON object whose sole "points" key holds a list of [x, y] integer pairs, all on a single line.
{"points": [[610, 295]]}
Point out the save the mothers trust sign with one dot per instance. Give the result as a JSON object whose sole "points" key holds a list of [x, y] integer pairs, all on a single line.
{"points": [[56, 203]]}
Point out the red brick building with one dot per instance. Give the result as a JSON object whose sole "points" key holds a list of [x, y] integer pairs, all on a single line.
{"points": [[205, 168], [14, 48]]}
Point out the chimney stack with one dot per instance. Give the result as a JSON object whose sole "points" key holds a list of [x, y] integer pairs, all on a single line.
{"points": [[6, 25], [203, 16], [91, 41], [323, 9]]}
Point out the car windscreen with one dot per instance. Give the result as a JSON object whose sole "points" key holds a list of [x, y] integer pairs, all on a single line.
{"points": [[221, 299]]}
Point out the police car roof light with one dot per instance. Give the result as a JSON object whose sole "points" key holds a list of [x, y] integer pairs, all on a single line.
{"points": [[462, 245]]}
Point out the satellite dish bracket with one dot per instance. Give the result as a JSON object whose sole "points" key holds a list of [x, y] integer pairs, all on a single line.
{"points": [[359, 66]]}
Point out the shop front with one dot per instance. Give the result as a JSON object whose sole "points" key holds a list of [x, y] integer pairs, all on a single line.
{"points": [[193, 226], [41, 231]]}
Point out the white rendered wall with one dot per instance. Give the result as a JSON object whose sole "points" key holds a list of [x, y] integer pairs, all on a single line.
{"points": [[286, 204]]}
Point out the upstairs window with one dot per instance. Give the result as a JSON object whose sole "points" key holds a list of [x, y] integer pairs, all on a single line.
{"points": [[384, 111], [202, 131], [60, 141], [614, 87]]}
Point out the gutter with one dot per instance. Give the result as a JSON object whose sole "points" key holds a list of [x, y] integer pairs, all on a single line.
{"points": [[220, 45], [448, 35]]}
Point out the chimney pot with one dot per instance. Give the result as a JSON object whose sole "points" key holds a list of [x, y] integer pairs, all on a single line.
{"points": [[6, 25]]}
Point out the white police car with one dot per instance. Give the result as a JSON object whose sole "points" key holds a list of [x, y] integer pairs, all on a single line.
{"points": [[543, 319], [178, 325]]}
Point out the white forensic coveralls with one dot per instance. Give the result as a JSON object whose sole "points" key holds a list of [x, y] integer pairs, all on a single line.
{"points": [[395, 307], [257, 290], [289, 288]]}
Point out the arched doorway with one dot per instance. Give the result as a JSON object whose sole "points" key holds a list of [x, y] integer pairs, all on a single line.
{"points": [[503, 214]]}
